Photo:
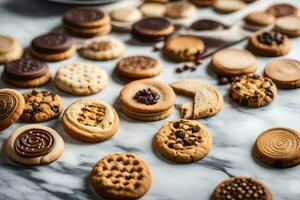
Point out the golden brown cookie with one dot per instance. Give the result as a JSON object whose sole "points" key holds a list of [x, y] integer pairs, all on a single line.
{"points": [[10, 49], [183, 141], [283, 9], [260, 18], [153, 9], [278, 147], [203, 3], [228, 6], [180, 9], [11, 107], [121, 176], [288, 25], [41, 106]]}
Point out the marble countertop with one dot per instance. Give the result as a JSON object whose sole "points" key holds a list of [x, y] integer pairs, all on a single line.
{"points": [[234, 130]]}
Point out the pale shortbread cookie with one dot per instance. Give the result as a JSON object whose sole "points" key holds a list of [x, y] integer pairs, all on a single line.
{"points": [[181, 9], [260, 19], [153, 9], [80, 78], [288, 25], [126, 14], [229, 6], [34, 145], [12, 55], [90, 120]]}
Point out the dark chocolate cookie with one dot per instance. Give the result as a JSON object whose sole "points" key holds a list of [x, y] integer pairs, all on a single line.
{"points": [[206, 24]]}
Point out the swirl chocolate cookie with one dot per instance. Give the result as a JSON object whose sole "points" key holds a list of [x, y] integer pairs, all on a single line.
{"points": [[121, 176], [183, 141], [10, 49], [90, 120], [34, 145]]}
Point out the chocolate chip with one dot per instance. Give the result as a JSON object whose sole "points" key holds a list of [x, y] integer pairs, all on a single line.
{"points": [[188, 142], [179, 134], [186, 67], [34, 92], [171, 145], [147, 96], [178, 70], [222, 80], [269, 93], [195, 129], [269, 38], [55, 109], [255, 76], [237, 89], [198, 61], [193, 69], [176, 125], [234, 79]]}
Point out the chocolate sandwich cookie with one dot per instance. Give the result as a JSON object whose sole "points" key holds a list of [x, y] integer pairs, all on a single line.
{"points": [[203, 3], [152, 29], [283, 9], [206, 25]]}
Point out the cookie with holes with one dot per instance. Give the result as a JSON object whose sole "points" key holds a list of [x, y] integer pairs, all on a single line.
{"points": [[41, 106], [183, 141], [80, 78], [90, 120], [121, 176]]}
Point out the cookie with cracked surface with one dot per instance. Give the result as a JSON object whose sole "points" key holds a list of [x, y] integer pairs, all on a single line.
{"points": [[121, 176], [183, 141], [41, 106], [80, 78], [253, 90], [240, 187], [283, 9], [90, 120], [181, 9], [11, 107], [34, 145]]}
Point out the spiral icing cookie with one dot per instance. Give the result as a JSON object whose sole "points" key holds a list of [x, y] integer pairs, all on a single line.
{"points": [[41, 106], [11, 107], [121, 176], [240, 187], [228, 6], [288, 25], [260, 19], [179, 10], [34, 145], [90, 120], [253, 90], [10, 49], [138, 67], [285, 73], [278, 147], [102, 48], [52, 47], [80, 78], [283, 9], [183, 141], [269, 44]]}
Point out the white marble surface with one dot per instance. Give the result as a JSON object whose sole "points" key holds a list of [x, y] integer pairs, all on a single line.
{"points": [[234, 130]]}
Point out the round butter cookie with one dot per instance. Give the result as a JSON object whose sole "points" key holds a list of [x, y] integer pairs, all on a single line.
{"points": [[153, 9], [10, 49], [123, 18], [229, 6], [181, 9], [288, 25], [283, 9], [260, 19]]}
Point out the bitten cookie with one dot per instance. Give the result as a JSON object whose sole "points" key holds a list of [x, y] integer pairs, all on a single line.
{"points": [[278, 147], [11, 107], [260, 19], [10, 49], [240, 187], [80, 78], [90, 120], [34, 145], [102, 48], [228, 6], [283, 9], [179, 10], [41, 106], [121, 176], [288, 25], [253, 90], [183, 141]]}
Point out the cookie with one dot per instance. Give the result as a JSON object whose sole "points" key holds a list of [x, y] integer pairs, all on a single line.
{"points": [[27, 73], [269, 44], [244, 62], [179, 10], [90, 32], [138, 67], [153, 9], [183, 141], [123, 18], [260, 19], [102, 48], [184, 48], [90, 120], [41, 106], [283, 9], [10, 49], [203, 3], [126, 175], [80, 78], [206, 25], [157, 1], [34, 145], [285, 73], [253, 90], [11, 107], [278, 147], [288, 25], [152, 29], [52, 47], [240, 187], [228, 6]]}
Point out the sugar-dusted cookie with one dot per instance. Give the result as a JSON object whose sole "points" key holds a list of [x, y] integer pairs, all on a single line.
{"points": [[239, 187], [285, 73], [228, 6], [288, 25], [269, 43], [253, 90], [10, 49], [121, 176], [11, 107], [183, 141], [181, 9], [102, 48], [206, 24], [244, 62], [203, 2], [283, 9], [153, 9], [260, 18], [138, 67], [80, 78], [41, 106], [34, 145]]}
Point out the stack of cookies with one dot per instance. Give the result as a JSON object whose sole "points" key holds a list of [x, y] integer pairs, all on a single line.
{"points": [[10, 49]]}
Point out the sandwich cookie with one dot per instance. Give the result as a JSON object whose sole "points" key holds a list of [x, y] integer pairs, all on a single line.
{"points": [[90, 120], [11, 107], [183, 141], [228, 6], [283, 9], [285, 73], [121, 176], [26, 73], [123, 18], [80, 78], [34, 145], [10, 49], [260, 19], [288, 25], [153, 9], [52, 47], [203, 3], [180, 10], [206, 25]]}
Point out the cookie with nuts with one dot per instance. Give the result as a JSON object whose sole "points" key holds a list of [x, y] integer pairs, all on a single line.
{"points": [[183, 141]]}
